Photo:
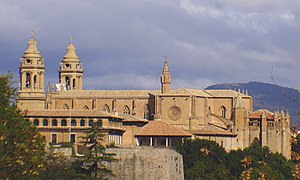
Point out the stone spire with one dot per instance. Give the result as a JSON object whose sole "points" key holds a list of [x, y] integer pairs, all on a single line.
{"points": [[71, 52], [239, 103], [70, 70], [166, 67], [165, 78], [32, 50], [32, 71]]}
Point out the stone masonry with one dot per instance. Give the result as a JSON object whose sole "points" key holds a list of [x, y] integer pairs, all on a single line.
{"points": [[147, 163]]}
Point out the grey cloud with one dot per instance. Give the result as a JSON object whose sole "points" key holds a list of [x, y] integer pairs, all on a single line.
{"points": [[122, 43]]}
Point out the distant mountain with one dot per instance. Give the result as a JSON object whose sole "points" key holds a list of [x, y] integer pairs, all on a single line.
{"points": [[268, 96]]}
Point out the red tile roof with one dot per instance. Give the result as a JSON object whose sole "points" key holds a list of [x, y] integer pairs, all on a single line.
{"points": [[159, 128], [67, 113], [258, 114]]}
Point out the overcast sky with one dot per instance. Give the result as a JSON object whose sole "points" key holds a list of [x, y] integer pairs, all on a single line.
{"points": [[122, 44]]}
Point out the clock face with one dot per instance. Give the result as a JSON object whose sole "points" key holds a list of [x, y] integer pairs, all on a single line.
{"points": [[174, 113]]}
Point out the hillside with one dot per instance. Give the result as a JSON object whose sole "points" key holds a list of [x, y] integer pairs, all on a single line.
{"points": [[268, 96]]}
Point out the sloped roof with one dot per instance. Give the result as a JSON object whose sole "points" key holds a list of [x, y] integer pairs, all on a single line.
{"points": [[105, 93], [185, 91], [258, 114], [225, 93], [67, 113], [218, 121], [211, 130], [130, 118], [159, 128], [206, 93]]}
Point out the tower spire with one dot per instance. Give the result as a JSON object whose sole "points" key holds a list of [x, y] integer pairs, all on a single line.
{"points": [[71, 52], [32, 50], [165, 77], [32, 70], [70, 70], [71, 39]]}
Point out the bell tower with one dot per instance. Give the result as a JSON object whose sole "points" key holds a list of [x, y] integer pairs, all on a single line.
{"points": [[165, 78], [31, 86], [70, 69]]}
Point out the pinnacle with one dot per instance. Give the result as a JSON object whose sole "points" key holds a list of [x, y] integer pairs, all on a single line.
{"points": [[71, 51]]}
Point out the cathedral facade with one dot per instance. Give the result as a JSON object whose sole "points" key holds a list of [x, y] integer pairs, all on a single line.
{"points": [[130, 118]]}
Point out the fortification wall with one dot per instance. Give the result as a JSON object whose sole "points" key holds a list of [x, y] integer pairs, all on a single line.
{"points": [[146, 163]]}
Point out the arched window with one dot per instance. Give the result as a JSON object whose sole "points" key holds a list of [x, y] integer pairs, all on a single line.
{"points": [[67, 82], [65, 106], [99, 123], [36, 122], [126, 110], [255, 141], [106, 108], [94, 104], [223, 111], [73, 122], [91, 122], [34, 81], [147, 112], [45, 122], [63, 122], [85, 107], [54, 122], [28, 80], [82, 122], [74, 87]]}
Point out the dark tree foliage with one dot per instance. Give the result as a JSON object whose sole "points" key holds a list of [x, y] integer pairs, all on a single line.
{"points": [[59, 166], [21, 146], [94, 161], [296, 144], [205, 159], [272, 166]]}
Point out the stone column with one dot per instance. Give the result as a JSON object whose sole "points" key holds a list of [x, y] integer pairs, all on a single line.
{"points": [[23, 80], [80, 83], [167, 141], [71, 83], [37, 83]]}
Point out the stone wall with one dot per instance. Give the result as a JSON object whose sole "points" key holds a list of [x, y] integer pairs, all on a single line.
{"points": [[146, 163]]}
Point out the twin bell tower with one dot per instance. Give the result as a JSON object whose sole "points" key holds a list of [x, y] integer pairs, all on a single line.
{"points": [[32, 75]]}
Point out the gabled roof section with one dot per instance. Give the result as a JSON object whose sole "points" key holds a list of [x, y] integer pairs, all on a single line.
{"points": [[225, 93], [159, 128], [259, 113], [185, 91], [205, 93]]}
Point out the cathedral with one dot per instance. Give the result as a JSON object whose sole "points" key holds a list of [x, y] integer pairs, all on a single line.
{"points": [[64, 112]]}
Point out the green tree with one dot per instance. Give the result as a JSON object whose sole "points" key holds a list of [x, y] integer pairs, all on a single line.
{"points": [[21, 147], [94, 161], [203, 159], [256, 162], [59, 166], [272, 165]]}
